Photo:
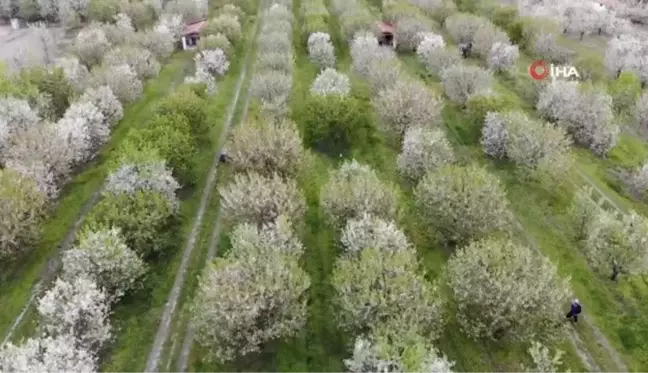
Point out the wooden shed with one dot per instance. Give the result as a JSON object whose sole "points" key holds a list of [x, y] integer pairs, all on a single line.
{"points": [[191, 34], [386, 33]]}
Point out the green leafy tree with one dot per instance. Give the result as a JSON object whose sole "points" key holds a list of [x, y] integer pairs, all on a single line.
{"points": [[185, 101], [505, 290], [332, 124], [625, 91]]}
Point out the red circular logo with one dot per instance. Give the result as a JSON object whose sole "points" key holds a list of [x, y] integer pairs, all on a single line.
{"points": [[539, 70]]}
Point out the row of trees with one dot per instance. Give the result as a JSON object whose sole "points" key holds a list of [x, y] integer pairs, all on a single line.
{"points": [[132, 223], [74, 13], [257, 292], [56, 119]]}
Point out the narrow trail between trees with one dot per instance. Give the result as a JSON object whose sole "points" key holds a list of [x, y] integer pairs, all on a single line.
{"points": [[174, 295], [188, 340], [48, 274]]}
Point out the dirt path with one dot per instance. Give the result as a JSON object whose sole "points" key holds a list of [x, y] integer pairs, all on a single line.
{"points": [[172, 302]]}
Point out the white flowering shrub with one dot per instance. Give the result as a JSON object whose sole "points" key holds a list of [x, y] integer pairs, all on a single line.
{"points": [[84, 129], [463, 27], [216, 41], [76, 73], [105, 100], [503, 56], [78, 308], [213, 61], [257, 199], [39, 153], [277, 236], [121, 31], [320, 50], [461, 82], [15, 116], [463, 203], [160, 41], [408, 103], [355, 189], [379, 287], [435, 57], [527, 142], [546, 47], [122, 81], [368, 232], [615, 244], [140, 60], [103, 256], [171, 22], [266, 148], [272, 89], [638, 180], [396, 351], [424, 149], [367, 55], [149, 175], [486, 37], [226, 24], [273, 41], [203, 77], [21, 213], [410, 30], [503, 289], [267, 288], [586, 114], [331, 82], [280, 62], [47, 354], [626, 53], [543, 362], [90, 45], [641, 112]]}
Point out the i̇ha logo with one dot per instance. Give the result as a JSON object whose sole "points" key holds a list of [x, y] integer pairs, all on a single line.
{"points": [[540, 70]]}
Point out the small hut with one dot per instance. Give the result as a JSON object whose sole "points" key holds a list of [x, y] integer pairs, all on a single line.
{"points": [[386, 33], [191, 34]]}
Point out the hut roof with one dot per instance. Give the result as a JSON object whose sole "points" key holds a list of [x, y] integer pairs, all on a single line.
{"points": [[386, 27], [194, 27]]}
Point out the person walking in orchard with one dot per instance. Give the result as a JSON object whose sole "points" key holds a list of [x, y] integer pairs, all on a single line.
{"points": [[575, 310]]}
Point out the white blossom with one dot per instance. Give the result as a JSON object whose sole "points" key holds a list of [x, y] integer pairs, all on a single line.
{"points": [[77, 308], [122, 81], [461, 82], [407, 104], [83, 129], [48, 355], [213, 61], [90, 45], [331, 82], [463, 202], [543, 362], [266, 148], [132, 177], [103, 256], [103, 98], [76, 73], [355, 189], [424, 149], [503, 289], [320, 50], [257, 199], [368, 232], [503, 56], [140, 60]]}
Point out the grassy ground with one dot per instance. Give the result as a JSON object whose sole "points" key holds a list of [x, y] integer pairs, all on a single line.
{"points": [[18, 280]]}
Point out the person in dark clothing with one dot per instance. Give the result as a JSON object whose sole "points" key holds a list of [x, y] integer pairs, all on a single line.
{"points": [[574, 311], [223, 157]]}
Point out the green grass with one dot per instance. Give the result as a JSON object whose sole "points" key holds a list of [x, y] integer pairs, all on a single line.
{"points": [[18, 280], [137, 318]]}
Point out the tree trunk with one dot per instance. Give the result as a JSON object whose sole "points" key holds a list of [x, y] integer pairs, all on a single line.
{"points": [[581, 36], [600, 30]]}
